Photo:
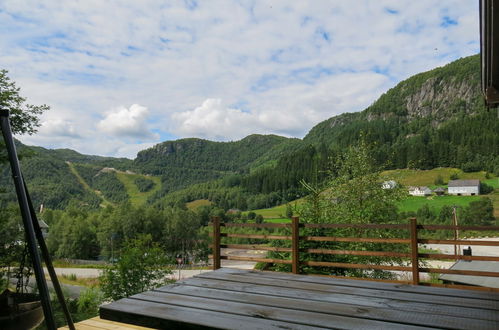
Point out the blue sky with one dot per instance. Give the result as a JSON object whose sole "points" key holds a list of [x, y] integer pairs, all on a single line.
{"points": [[121, 76]]}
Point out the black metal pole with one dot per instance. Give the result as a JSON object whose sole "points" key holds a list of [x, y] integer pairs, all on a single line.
{"points": [[27, 220], [48, 261]]}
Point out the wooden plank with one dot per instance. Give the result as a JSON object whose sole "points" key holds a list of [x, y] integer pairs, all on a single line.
{"points": [[312, 297], [366, 284], [96, 323], [255, 247], [101, 325], [462, 286], [216, 243], [383, 314], [293, 316], [257, 225], [255, 259], [440, 256], [450, 227], [358, 266], [360, 253], [356, 239], [458, 242], [459, 272], [164, 316], [351, 225], [366, 292], [256, 236], [123, 325], [414, 251], [295, 245]]}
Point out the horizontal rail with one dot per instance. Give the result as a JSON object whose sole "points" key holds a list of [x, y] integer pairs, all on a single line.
{"points": [[255, 236], [356, 239], [254, 247], [458, 242], [359, 266], [257, 225], [459, 272], [267, 260], [439, 256], [412, 257], [355, 225], [359, 253], [450, 227]]}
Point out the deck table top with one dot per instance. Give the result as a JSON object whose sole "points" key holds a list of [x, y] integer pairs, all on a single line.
{"points": [[245, 299]]}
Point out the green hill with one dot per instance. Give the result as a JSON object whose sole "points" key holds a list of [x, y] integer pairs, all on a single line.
{"points": [[433, 119]]}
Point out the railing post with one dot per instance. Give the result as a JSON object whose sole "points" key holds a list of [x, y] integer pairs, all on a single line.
{"points": [[295, 245], [216, 243], [414, 251]]}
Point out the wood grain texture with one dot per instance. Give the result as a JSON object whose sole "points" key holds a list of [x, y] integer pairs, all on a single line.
{"points": [[245, 299]]}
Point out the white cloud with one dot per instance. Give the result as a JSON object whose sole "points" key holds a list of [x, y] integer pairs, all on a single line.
{"points": [[58, 127], [277, 68], [214, 120], [128, 123], [289, 111]]}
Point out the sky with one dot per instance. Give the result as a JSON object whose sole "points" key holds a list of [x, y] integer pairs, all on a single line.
{"points": [[122, 76]]}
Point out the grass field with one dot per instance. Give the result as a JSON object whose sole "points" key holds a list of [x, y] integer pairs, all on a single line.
{"points": [[85, 185], [411, 203], [198, 203], [137, 197], [410, 177]]}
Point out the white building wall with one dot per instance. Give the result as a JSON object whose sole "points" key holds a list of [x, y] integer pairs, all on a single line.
{"points": [[464, 190]]}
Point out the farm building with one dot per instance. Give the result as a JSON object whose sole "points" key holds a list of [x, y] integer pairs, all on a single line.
{"points": [[464, 187], [419, 191], [390, 184], [439, 191]]}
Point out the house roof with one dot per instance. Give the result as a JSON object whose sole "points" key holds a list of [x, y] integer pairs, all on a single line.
{"points": [[439, 189], [487, 281], [419, 188], [464, 183]]}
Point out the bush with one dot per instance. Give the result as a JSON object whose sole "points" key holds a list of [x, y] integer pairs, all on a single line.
{"points": [[141, 267], [89, 301], [259, 218], [439, 180], [143, 184], [485, 188]]}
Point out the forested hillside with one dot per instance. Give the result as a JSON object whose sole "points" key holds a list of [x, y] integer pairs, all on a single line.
{"points": [[433, 119], [436, 118], [189, 161]]}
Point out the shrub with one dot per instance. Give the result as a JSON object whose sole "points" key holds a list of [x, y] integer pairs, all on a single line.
{"points": [[89, 301], [143, 184], [485, 188], [141, 267], [439, 180]]}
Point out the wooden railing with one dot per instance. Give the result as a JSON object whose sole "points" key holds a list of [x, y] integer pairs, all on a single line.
{"points": [[413, 257]]}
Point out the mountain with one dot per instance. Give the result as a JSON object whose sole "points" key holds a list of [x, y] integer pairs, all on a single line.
{"points": [[433, 119], [184, 162]]}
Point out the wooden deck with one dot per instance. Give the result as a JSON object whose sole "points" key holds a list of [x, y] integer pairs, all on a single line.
{"points": [[96, 323], [242, 299]]}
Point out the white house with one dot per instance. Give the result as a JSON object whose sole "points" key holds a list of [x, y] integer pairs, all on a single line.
{"points": [[419, 191], [390, 184], [464, 187]]}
